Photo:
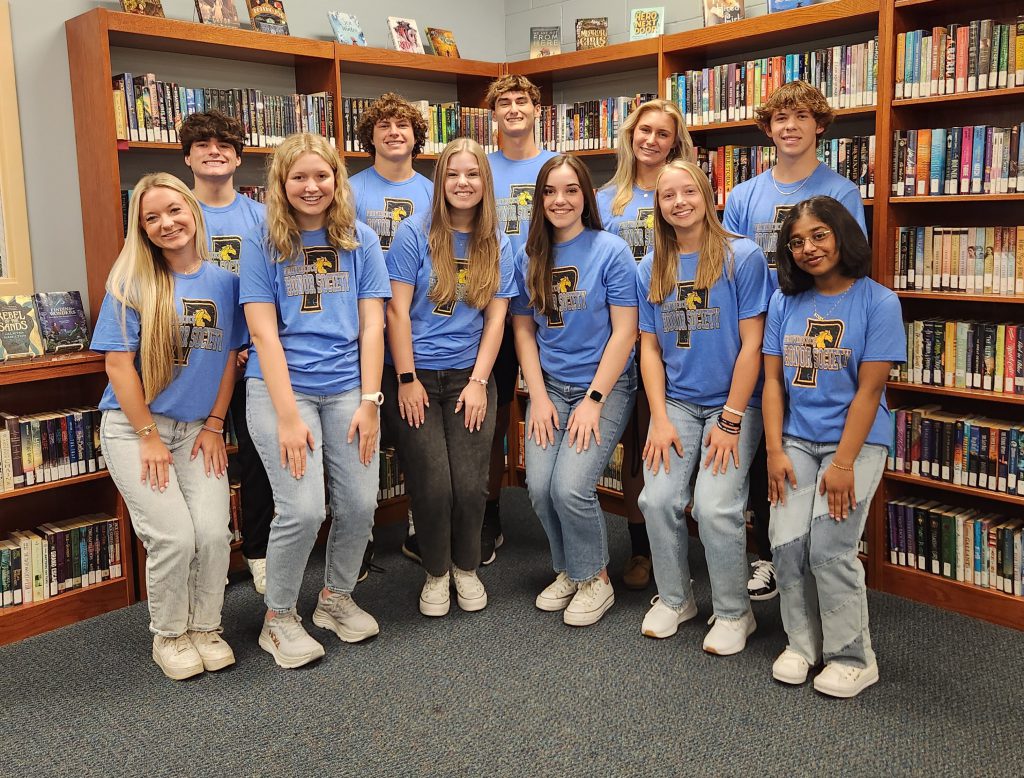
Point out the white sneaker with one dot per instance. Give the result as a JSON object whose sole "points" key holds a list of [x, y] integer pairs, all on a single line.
{"points": [[790, 667], [435, 599], [469, 589], [762, 584], [729, 636], [662, 621], [213, 650], [285, 639], [840, 680], [340, 614], [591, 601], [258, 568], [557, 594], [177, 657]]}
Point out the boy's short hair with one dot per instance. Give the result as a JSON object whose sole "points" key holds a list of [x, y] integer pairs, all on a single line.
{"points": [[795, 94], [391, 106], [211, 124], [513, 82]]}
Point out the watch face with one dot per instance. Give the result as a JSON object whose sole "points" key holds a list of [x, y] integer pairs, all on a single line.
{"points": [[595, 395], [406, 378]]}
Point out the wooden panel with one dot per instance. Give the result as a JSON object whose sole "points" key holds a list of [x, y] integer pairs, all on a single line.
{"points": [[987, 604], [51, 366], [400, 64], [27, 620]]}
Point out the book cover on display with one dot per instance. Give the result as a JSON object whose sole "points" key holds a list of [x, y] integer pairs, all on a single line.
{"points": [[646, 23], [405, 35], [442, 42], [722, 11], [545, 41], [143, 7], [591, 33], [346, 28], [268, 16], [219, 12], [19, 328], [62, 321]]}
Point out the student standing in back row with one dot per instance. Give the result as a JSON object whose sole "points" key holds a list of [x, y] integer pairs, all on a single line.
{"points": [[212, 143], [514, 101], [794, 117]]}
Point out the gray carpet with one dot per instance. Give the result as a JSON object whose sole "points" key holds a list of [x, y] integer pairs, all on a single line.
{"points": [[511, 691]]}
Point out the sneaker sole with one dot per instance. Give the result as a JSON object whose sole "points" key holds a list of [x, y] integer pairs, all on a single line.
{"points": [[411, 555], [471, 606], [348, 635], [435, 610], [553, 606], [288, 663], [591, 617], [762, 597], [791, 680], [259, 589], [498, 541], [178, 674], [489, 560], [864, 682]]}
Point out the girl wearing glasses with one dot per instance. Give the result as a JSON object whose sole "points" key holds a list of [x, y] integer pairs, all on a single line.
{"points": [[830, 340]]}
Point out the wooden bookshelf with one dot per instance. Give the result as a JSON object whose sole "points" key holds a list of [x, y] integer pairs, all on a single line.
{"points": [[973, 395], [988, 604], [992, 96], [992, 299], [744, 124], [945, 486]]}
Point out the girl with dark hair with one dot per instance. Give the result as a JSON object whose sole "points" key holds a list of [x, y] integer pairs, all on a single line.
{"points": [[831, 337], [575, 324]]}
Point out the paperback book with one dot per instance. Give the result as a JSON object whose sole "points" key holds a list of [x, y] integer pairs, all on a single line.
{"points": [[62, 321], [268, 16], [442, 41], [219, 12], [19, 328], [545, 41], [774, 6], [346, 28], [722, 11], [143, 7], [591, 33], [646, 23], [405, 35]]}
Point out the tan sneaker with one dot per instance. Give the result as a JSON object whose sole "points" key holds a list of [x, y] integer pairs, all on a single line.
{"points": [[469, 589], [557, 594], [258, 568], [435, 599], [177, 657], [213, 649], [285, 639], [590, 603], [662, 621], [842, 680], [340, 614], [729, 636]]}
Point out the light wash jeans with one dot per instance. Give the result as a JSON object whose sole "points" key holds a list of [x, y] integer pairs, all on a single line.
{"points": [[821, 581], [718, 505], [185, 528], [300, 503], [563, 484]]}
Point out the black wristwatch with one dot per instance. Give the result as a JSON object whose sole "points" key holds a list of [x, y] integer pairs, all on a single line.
{"points": [[596, 396], [406, 378]]}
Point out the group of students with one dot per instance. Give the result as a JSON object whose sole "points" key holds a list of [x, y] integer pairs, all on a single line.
{"points": [[763, 346]]}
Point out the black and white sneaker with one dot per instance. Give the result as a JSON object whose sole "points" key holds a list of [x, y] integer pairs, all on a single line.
{"points": [[761, 585], [490, 537], [364, 568], [411, 548]]}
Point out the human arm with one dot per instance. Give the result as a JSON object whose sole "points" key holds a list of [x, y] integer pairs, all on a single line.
{"points": [[366, 419], [127, 385], [412, 397], [474, 395], [543, 415], [210, 439], [773, 409], [662, 433]]}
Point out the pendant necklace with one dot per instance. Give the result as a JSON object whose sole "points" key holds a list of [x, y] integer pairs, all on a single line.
{"points": [[838, 299]]}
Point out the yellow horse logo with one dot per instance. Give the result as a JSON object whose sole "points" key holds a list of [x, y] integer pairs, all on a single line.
{"points": [[649, 222], [822, 338], [201, 318], [227, 253], [524, 198], [691, 301], [323, 265], [564, 284], [398, 213], [463, 275]]}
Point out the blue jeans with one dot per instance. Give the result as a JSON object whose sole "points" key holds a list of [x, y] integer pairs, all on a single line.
{"points": [[718, 505], [185, 528], [300, 504], [563, 484], [821, 581]]}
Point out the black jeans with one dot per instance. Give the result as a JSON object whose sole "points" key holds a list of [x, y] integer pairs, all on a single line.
{"points": [[257, 496], [445, 468], [757, 501]]}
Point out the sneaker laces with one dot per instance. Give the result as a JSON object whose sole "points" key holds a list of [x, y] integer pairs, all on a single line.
{"points": [[436, 583], [764, 571], [182, 644], [289, 626], [846, 673]]}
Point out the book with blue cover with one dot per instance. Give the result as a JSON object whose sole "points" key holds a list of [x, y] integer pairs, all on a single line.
{"points": [[346, 28], [62, 321]]}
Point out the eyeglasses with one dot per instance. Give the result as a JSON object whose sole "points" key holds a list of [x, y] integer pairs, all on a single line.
{"points": [[796, 245]]}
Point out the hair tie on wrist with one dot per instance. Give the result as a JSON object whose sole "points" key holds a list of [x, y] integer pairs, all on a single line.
{"points": [[211, 416]]}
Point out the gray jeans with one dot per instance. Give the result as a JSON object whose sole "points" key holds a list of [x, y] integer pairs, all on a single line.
{"points": [[184, 528]]}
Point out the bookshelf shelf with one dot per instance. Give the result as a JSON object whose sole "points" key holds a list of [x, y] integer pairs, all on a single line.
{"points": [[78, 479], [135, 145], [967, 491], [607, 60], [1001, 299], [948, 391], [22, 621], [49, 367], [987, 604], [750, 123], [365, 60], [959, 199], [1010, 95]]}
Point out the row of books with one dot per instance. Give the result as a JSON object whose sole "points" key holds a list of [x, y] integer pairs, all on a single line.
{"points": [[235, 511], [42, 323], [964, 355], [973, 260], [392, 479], [611, 478], [146, 109], [963, 450], [979, 55], [58, 557], [978, 159], [961, 544], [45, 447], [845, 74], [445, 122], [586, 125]]}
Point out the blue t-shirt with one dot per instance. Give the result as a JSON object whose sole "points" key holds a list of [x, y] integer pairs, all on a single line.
{"points": [[211, 325], [821, 356], [444, 337], [635, 224], [699, 329], [317, 298], [514, 181], [382, 204], [227, 225], [756, 210], [591, 272]]}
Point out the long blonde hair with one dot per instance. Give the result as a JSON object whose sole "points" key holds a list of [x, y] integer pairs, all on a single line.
{"points": [[484, 249], [340, 216], [625, 167], [716, 252], [141, 280]]}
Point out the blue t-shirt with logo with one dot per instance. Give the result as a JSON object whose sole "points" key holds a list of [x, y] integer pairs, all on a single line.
{"points": [[756, 209], [514, 182], [317, 298], [635, 224], [227, 225], [591, 272], [699, 329], [383, 205], [211, 325], [444, 337], [822, 341]]}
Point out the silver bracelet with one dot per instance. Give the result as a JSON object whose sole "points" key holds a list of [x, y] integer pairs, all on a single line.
{"points": [[211, 429], [481, 381]]}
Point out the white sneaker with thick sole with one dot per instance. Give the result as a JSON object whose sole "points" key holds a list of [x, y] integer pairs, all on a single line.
{"points": [[177, 657], [790, 668], [840, 680], [557, 594], [469, 589], [591, 601], [213, 650], [340, 614], [435, 599], [729, 636], [662, 621], [285, 639], [258, 569]]}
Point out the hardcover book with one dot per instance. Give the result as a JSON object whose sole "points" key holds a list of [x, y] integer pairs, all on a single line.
{"points": [[62, 321], [346, 28], [219, 12], [142, 7], [268, 16], [405, 35], [646, 23], [19, 328], [774, 6], [442, 41], [591, 33], [545, 41], [722, 11]]}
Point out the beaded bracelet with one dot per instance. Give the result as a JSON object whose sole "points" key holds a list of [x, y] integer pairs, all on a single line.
{"points": [[729, 427], [733, 411], [837, 466]]}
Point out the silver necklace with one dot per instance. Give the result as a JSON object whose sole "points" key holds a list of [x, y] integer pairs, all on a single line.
{"points": [[838, 299], [784, 193]]}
